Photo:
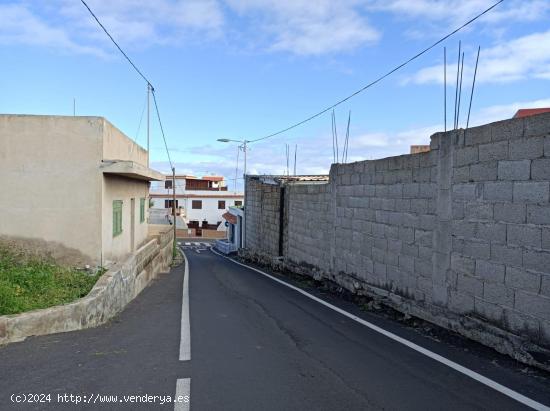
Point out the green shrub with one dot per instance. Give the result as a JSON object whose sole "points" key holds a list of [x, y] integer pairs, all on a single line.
{"points": [[29, 282]]}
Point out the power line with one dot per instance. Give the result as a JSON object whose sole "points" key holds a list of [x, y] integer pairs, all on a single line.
{"points": [[161, 128], [116, 44], [379, 79], [139, 72]]}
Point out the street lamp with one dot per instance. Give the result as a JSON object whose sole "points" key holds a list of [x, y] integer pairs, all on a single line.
{"points": [[241, 147]]}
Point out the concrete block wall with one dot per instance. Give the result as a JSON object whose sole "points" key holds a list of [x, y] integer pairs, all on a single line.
{"points": [[262, 218], [500, 259], [459, 236], [309, 227], [385, 217]]}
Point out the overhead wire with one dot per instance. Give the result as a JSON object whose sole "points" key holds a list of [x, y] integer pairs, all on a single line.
{"points": [[149, 84], [379, 79]]}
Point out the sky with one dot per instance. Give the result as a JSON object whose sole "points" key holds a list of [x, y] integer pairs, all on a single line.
{"points": [[243, 69]]}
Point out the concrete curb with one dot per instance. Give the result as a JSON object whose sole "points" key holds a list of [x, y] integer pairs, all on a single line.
{"points": [[112, 292]]}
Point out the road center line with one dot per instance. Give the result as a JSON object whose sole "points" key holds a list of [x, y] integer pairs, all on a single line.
{"points": [[183, 389], [185, 332], [457, 367]]}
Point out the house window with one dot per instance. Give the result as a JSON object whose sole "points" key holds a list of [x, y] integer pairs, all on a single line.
{"points": [[168, 203], [221, 204], [238, 203], [168, 184], [117, 217], [196, 204], [141, 210]]}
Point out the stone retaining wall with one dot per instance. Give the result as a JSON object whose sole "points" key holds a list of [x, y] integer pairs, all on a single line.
{"points": [[112, 292]]}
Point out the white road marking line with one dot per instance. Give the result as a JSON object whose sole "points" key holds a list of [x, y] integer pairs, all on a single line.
{"points": [[185, 332], [187, 243], [183, 392], [196, 244], [457, 367]]}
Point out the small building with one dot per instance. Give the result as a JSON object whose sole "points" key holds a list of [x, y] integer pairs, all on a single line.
{"points": [[234, 219], [74, 187], [200, 202]]}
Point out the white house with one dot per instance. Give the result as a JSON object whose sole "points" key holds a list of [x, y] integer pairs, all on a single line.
{"points": [[200, 202]]}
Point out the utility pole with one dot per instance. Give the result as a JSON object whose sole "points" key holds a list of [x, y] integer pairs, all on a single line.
{"points": [[244, 149], [174, 207], [148, 119], [74, 107]]}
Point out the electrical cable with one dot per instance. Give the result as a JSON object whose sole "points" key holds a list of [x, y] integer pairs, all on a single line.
{"points": [[379, 79]]}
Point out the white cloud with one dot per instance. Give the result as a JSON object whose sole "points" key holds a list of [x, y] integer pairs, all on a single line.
{"points": [[19, 26], [459, 11], [304, 27], [67, 26], [522, 58]]}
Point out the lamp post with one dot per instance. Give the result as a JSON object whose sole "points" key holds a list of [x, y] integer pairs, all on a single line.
{"points": [[242, 147], [243, 144]]}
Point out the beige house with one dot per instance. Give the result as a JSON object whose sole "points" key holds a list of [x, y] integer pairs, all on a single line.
{"points": [[75, 187]]}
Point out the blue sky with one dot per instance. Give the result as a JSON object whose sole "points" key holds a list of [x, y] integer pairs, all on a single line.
{"points": [[247, 68]]}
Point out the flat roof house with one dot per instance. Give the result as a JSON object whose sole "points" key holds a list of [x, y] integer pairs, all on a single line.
{"points": [[74, 187], [201, 201]]}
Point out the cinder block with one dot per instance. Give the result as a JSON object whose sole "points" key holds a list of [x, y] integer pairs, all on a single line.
{"points": [[538, 214], [477, 135], [406, 263], [486, 171], [537, 125], [490, 311], [493, 232], [477, 249], [507, 129], [458, 210], [461, 264], [411, 190], [533, 304], [536, 260], [461, 174], [527, 148], [478, 211], [514, 170], [546, 238], [533, 192], [490, 272], [423, 237], [510, 212], [524, 235], [540, 169], [521, 324], [498, 294], [466, 156], [419, 205], [465, 191], [545, 284], [464, 229], [493, 151], [497, 191], [406, 234], [460, 303], [506, 255], [522, 279], [469, 285], [547, 146]]}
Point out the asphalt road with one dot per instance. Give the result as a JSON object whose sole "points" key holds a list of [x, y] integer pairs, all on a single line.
{"points": [[255, 345]]}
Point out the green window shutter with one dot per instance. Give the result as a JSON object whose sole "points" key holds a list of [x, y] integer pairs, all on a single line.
{"points": [[141, 210], [117, 217]]}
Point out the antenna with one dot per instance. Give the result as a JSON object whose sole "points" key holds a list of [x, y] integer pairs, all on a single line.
{"points": [[460, 91], [445, 87], [456, 89], [473, 86], [295, 151]]}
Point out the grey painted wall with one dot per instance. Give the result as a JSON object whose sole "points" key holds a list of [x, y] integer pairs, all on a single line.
{"points": [[459, 236]]}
